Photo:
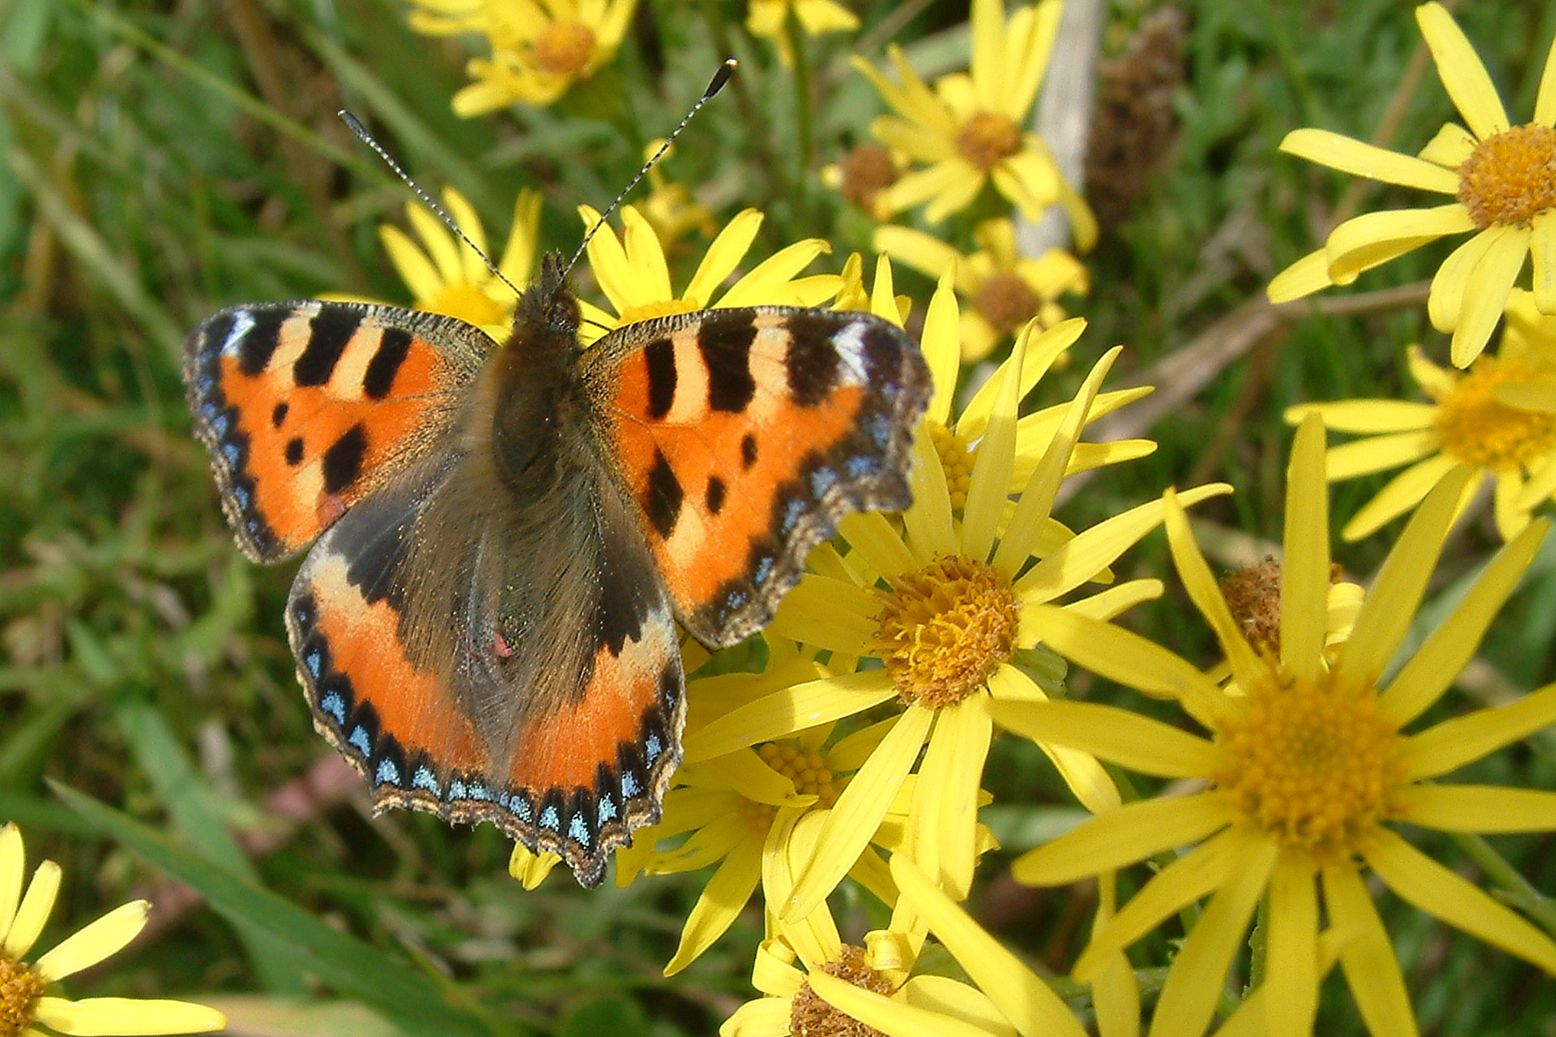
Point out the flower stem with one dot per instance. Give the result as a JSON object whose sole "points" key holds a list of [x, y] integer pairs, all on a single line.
{"points": [[1513, 887]]}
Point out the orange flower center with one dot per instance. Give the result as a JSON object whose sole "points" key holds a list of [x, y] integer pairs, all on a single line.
{"points": [[1510, 178], [1477, 429], [564, 48], [1311, 765], [866, 170], [20, 989], [1006, 302], [987, 139], [955, 459], [809, 1016], [944, 629]]}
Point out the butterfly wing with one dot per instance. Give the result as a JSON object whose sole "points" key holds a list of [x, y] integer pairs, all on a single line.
{"points": [[485, 657], [743, 435], [305, 407]]}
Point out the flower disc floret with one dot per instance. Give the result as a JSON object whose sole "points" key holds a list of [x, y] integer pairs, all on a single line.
{"points": [[1312, 765], [943, 629], [20, 988], [1006, 301], [865, 171], [988, 138], [956, 459], [1510, 178], [810, 1016], [1475, 427]]}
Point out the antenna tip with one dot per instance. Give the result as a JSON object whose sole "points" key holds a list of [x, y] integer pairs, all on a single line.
{"points": [[721, 77], [351, 121]]}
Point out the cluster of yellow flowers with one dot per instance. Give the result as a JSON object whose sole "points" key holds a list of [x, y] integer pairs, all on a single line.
{"points": [[857, 753]]}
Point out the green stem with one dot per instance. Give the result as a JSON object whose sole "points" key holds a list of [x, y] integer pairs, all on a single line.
{"points": [[802, 102], [1513, 888]]}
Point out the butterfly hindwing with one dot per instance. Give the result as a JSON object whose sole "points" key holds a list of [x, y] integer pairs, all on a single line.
{"points": [[744, 435], [305, 407], [486, 657]]}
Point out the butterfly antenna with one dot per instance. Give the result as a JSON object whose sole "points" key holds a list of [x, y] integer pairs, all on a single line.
{"points": [[714, 86], [356, 127]]}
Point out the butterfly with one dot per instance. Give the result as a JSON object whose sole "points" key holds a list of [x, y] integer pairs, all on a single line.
{"points": [[507, 535]]}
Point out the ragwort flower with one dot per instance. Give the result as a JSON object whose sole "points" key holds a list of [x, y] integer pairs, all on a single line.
{"points": [[446, 277], [1306, 772], [970, 129], [1465, 426], [941, 606], [28, 997], [1503, 179], [1004, 288], [540, 48], [634, 275]]}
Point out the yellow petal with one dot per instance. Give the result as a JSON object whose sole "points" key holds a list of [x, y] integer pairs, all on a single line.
{"points": [[1545, 103], [1450, 647], [957, 1000], [1374, 238], [30, 917], [987, 490], [1365, 456], [1123, 656], [1446, 298], [413, 266], [126, 1017], [1198, 973], [923, 252], [1542, 254], [790, 848], [1453, 743], [1369, 416], [789, 710], [764, 1017], [1120, 736], [774, 972], [1131, 833], [941, 347], [928, 520], [1486, 293], [887, 1015], [1117, 600], [721, 902], [1450, 147], [531, 868], [1207, 868], [440, 244], [828, 613], [1367, 958], [1442, 893], [12, 870], [1044, 348], [1206, 594], [772, 281], [1036, 501], [1292, 969], [858, 812], [1024, 999], [1390, 606], [1302, 278], [1368, 160], [1477, 808], [1305, 574], [96, 941], [645, 258], [872, 537], [1403, 492], [958, 750], [1463, 76]]}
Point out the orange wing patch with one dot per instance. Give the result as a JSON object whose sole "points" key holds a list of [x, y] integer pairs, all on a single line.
{"points": [[745, 434], [306, 407]]}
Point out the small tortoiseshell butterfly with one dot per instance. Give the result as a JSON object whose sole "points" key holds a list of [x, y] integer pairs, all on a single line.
{"points": [[486, 627]]}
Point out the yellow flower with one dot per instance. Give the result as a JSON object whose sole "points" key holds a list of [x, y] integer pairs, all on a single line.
{"points": [[969, 129], [1526, 329], [26, 1002], [446, 277], [955, 437], [633, 273], [871, 989], [1304, 775], [756, 812], [1005, 288], [1466, 426], [540, 48], [942, 605], [769, 19], [1499, 174]]}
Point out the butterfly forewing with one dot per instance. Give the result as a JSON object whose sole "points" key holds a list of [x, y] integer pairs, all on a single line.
{"points": [[306, 407], [744, 435]]}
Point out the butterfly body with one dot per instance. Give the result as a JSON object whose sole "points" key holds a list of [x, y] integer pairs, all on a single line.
{"points": [[507, 535]]}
